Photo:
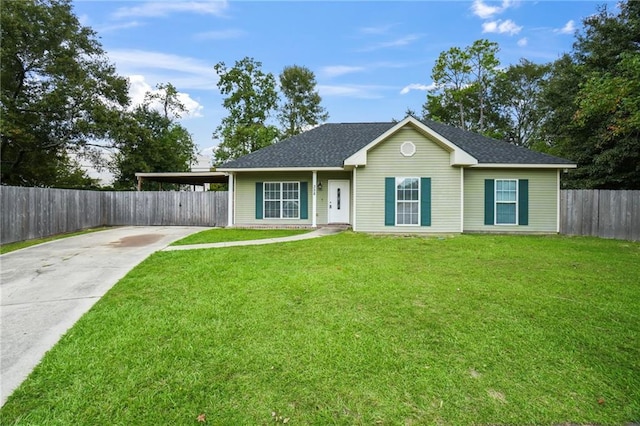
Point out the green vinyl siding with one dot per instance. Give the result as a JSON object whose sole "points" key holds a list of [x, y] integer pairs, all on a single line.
{"points": [[430, 161], [246, 197], [537, 200]]}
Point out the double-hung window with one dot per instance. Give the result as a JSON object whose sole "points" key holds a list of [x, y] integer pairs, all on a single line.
{"points": [[506, 202], [407, 201], [282, 200]]}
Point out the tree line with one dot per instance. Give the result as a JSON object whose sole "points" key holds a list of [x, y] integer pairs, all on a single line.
{"points": [[60, 98], [585, 106]]}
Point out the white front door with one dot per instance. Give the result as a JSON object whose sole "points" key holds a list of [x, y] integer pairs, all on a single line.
{"points": [[338, 201]]}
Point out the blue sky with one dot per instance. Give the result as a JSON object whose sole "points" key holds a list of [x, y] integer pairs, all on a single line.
{"points": [[372, 59]]}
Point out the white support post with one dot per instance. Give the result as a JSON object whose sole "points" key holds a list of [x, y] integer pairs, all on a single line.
{"points": [[314, 199], [558, 202], [231, 197], [354, 203], [461, 199]]}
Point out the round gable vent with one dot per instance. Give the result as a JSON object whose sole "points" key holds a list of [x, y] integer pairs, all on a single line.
{"points": [[407, 149]]}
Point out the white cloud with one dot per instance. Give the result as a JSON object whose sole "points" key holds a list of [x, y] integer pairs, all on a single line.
{"points": [[417, 86], [138, 88], [121, 26], [403, 41], [337, 70], [220, 35], [523, 42], [383, 29], [164, 8], [181, 71], [84, 20], [501, 27], [484, 11], [569, 28], [352, 91]]}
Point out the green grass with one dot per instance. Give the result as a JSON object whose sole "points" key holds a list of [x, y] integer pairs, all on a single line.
{"points": [[6, 248], [356, 329], [219, 235]]}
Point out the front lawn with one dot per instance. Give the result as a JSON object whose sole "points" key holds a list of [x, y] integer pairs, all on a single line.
{"points": [[356, 329]]}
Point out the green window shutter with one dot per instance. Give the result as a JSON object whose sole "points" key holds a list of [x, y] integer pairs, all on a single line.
{"points": [[259, 200], [389, 201], [489, 201], [304, 201], [425, 201], [523, 202]]}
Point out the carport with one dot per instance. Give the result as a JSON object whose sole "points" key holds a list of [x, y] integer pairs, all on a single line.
{"points": [[184, 178]]}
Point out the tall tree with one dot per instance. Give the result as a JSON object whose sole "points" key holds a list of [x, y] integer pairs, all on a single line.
{"points": [[451, 76], [484, 63], [166, 96], [58, 91], [463, 79], [517, 94], [596, 93], [151, 140], [301, 107], [251, 98]]}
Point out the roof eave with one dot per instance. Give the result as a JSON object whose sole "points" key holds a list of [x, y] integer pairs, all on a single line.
{"points": [[524, 166], [281, 169]]}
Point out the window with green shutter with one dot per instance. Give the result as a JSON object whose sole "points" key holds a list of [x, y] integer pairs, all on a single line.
{"points": [[281, 200], [407, 201], [506, 202]]}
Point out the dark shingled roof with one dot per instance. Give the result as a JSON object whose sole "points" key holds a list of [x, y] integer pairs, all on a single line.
{"points": [[330, 144]]}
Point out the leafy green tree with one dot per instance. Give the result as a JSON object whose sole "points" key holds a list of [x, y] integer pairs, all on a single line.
{"points": [[609, 104], [251, 98], [593, 99], [451, 76], [484, 64], [167, 96], [301, 108], [58, 92], [517, 95], [149, 140], [463, 79]]}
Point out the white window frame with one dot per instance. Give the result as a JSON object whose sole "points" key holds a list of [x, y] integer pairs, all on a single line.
{"points": [[282, 200], [496, 202], [418, 201]]}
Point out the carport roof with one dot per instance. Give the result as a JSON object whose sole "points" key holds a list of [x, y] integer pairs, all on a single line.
{"points": [[185, 178]]}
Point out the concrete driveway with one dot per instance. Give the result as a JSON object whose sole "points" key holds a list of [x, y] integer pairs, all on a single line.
{"points": [[45, 289]]}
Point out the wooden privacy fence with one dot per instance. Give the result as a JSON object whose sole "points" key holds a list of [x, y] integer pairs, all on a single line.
{"points": [[27, 213], [600, 213]]}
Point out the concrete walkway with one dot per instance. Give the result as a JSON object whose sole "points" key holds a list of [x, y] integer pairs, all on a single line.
{"points": [[320, 232], [46, 288]]}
